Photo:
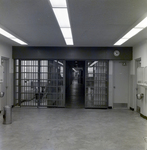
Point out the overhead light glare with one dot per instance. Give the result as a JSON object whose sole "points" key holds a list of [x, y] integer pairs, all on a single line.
{"points": [[58, 3], [62, 17], [93, 63], [11, 37]]}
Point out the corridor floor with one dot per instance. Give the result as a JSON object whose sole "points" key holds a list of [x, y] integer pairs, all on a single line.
{"points": [[75, 95], [73, 129]]}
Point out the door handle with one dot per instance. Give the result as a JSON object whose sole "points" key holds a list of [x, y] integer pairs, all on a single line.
{"points": [[114, 87]]}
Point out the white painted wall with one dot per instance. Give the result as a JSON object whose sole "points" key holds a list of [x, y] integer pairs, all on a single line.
{"points": [[6, 51], [139, 51], [110, 103]]}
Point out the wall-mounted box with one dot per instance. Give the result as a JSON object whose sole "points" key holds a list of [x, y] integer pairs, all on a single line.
{"points": [[140, 74]]}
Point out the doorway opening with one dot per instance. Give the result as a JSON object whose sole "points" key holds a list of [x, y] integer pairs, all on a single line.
{"points": [[75, 84]]}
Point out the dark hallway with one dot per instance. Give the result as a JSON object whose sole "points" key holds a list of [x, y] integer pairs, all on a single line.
{"points": [[75, 87]]}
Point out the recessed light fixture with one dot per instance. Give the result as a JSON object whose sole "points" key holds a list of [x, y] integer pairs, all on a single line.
{"points": [[139, 27], [11, 37], [61, 13], [62, 17], [66, 32]]}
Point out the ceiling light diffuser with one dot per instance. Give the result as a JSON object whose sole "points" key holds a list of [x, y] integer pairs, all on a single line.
{"points": [[120, 42], [139, 27], [131, 33], [69, 41], [61, 13], [11, 37], [62, 17], [66, 32], [142, 24], [58, 3], [5, 33], [19, 41]]}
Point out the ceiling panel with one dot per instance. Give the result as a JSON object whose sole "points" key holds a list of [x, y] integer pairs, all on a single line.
{"points": [[93, 22]]}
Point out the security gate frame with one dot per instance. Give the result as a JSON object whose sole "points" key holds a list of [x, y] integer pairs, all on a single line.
{"points": [[39, 83], [96, 83]]}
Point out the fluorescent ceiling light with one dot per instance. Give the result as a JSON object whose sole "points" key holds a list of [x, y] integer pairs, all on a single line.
{"points": [[5, 33], [61, 13], [11, 37], [69, 41], [58, 3], [142, 24], [139, 27], [62, 17], [120, 42], [74, 69], [59, 62], [131, 33], [66, 32], [19, 41], [93, 63]]}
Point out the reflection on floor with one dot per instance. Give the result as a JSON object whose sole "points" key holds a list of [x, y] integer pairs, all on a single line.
{"points": [[75, 95]]}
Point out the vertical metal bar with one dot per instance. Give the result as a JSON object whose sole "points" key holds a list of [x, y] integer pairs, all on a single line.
{"points": [[107, 64], [19, 83], [56, 74], [14, 83], [85, 83], [64, 81], [38, 83]]}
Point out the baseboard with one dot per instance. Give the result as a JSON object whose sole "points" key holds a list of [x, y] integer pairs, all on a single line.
{"points": [[145, 117], [131, 108]]}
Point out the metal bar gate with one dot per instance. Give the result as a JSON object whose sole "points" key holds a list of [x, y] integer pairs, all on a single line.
{"points": [[96, 81], [39, 83]]}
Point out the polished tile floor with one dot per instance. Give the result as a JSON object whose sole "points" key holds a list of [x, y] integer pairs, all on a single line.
{"points": [[75, 95], [73, 129]]}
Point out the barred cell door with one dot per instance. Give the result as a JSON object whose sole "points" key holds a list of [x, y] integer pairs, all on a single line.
{"points": [[96, 81], [39, 83]]}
